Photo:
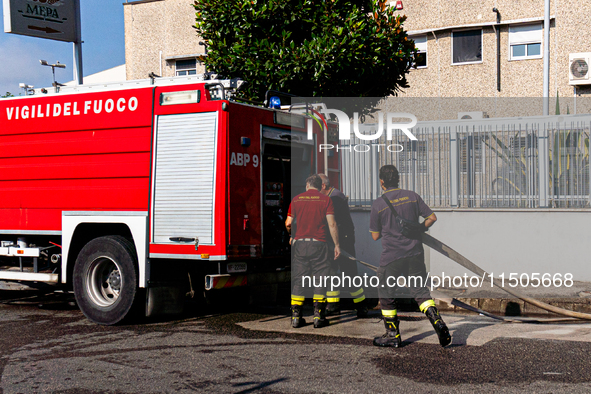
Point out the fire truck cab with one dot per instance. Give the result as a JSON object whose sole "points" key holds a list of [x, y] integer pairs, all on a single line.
{"points": [[135, 194]]}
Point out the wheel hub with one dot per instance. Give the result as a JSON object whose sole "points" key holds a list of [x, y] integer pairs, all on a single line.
{"points": [[114, 280], [103, 282]]}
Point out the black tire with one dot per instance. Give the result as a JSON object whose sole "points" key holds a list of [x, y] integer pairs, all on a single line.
{"points": [[106, 279]]}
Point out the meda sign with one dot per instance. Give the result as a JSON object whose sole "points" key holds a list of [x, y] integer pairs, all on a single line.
{"points": [[345, 125], [51, 19]]}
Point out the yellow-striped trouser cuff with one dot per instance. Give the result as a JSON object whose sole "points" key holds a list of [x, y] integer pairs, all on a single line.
{"points": [[297, 300], [319, 298], [390, 313], [333, 296], [426, 305], [358, 299], [357, 293]]}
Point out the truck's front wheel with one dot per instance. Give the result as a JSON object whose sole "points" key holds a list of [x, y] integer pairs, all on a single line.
{"points": [[105, 279]]}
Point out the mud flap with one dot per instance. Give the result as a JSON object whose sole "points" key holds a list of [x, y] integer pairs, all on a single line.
{"points": [[164, 299]]}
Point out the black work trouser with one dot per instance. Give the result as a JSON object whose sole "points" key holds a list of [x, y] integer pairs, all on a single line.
{"points": [[415, 273], [310, 260], [348, 268], [345, 264]]}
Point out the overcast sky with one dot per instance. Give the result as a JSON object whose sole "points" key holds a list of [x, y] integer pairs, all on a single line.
{"points": [[103, 48]]}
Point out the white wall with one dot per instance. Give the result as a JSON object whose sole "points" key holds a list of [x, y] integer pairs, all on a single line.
{"points": [[542, 241], [115, 74], [367, 249]]}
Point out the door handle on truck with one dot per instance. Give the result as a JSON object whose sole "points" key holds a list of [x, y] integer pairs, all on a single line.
{"points": [[290, 137], [186, 240], [181, 239]]}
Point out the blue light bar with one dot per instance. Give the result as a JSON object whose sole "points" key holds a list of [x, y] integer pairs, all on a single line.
{"points": [[275, 102]]}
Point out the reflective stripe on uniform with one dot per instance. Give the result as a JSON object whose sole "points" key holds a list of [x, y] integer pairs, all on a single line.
{"points": [[358, 296], [426, 305], [333, 296], [319, 298], [359, 299], [358, 292], [297, 300], [389, 313]]}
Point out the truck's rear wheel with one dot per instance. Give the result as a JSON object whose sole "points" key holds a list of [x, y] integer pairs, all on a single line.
{"points": [[105, 279]]}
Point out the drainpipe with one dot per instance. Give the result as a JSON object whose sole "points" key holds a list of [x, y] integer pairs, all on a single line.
{"points": [[546, 55], [498, 31], [205, 45], [543, 153]]}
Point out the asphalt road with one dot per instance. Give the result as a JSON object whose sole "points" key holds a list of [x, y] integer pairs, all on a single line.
{"points": [[47, 346]]}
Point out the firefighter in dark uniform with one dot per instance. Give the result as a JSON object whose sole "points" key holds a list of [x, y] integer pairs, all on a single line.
{"points": [[402, 256], [347, 240], [314, 214]]}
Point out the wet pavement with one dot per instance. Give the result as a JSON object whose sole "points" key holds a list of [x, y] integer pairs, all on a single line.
{"points": [[47, 346], [471, 330]]}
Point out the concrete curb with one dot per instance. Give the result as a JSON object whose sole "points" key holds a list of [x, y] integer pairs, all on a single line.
{"points": [[517, 307]]}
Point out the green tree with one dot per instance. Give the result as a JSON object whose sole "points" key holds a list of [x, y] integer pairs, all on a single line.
{"points": [[8, 94], [334, 48]]}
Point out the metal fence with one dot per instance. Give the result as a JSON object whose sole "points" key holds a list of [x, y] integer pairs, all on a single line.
{"points": [[493, 163]]}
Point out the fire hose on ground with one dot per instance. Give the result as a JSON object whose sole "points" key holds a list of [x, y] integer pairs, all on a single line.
{"points": [[445, 250]]}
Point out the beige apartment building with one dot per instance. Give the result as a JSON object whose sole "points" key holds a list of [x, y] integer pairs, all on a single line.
{"points": [[160, 39], [462, 56], [503, 173], [466, 49]]}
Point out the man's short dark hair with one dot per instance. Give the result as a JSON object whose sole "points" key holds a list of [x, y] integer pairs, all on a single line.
{"points": [[389, 174], [314, 181], [325, 180]]}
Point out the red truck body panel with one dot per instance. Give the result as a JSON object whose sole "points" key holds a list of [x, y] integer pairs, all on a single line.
{"points": [[81, 152], [95, 152]]}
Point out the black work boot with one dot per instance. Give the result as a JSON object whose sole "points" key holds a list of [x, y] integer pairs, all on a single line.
{"points": [[333, 309], [439, 325], [297, 320], [362, 309], [320, 315], [392, 336]]}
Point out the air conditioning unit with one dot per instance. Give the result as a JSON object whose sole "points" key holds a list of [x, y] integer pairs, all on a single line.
{"points": [[472, 115], [578, 68]]}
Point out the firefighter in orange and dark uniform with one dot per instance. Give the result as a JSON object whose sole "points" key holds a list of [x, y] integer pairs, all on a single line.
{"points": [[314, 213]]}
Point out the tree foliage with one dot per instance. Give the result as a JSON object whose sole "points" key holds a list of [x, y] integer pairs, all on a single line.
{"points": [[330, 48], [8, 94]]}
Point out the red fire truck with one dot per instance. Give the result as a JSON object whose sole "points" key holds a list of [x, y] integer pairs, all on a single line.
{"points": [[129, 194]]}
